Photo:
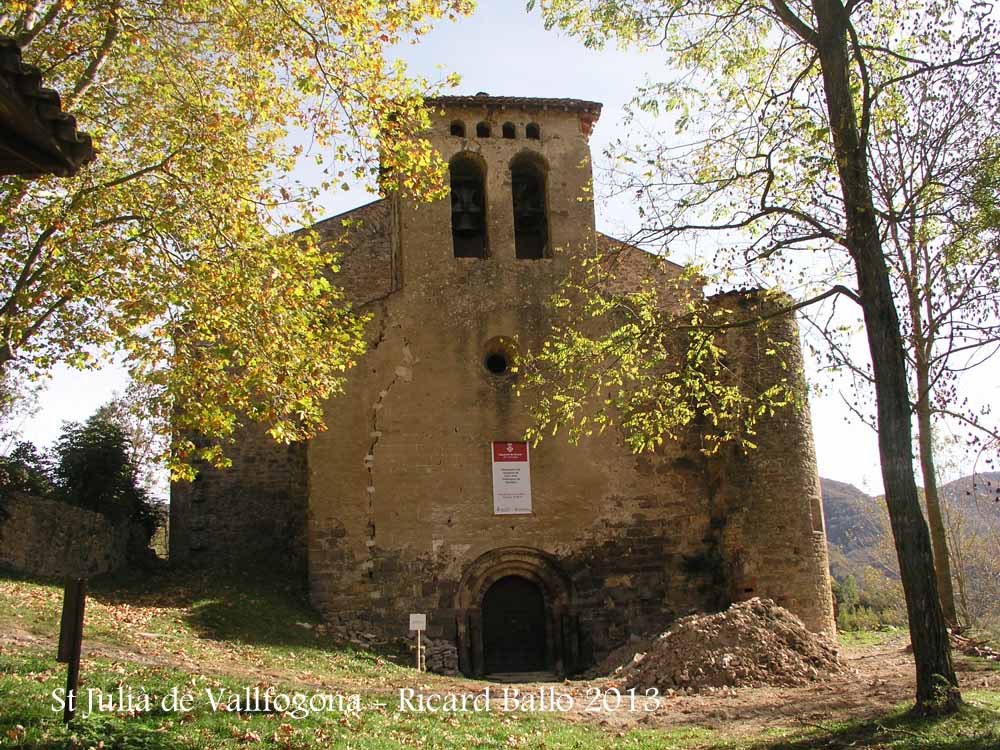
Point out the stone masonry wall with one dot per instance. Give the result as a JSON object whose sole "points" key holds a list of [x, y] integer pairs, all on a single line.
{"points": [[773, 539], [52, 539], [257, 506], [260, 504], [401, 490]]}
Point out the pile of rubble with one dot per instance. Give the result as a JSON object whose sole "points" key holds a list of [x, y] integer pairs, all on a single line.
{"points": [[974, 647], [440, 657], [343, 634], [752, 644], [618, 658]]}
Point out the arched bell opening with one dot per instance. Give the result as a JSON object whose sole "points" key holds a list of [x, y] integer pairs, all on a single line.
{"points": [[468, 206], [531, 220]]}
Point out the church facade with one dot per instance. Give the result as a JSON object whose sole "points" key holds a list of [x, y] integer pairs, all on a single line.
{"points": [[398, 507]]}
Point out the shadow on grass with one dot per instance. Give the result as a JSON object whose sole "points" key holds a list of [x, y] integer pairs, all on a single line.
{"points": [[972, 728], [255, 601]]}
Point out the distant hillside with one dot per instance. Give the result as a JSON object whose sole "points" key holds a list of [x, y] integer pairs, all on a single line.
{"points": [[853, 518], [976, 497], [851, 515], [852, 526]]}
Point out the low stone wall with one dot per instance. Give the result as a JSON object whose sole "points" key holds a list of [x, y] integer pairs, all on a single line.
{"points": [[48, 538]]}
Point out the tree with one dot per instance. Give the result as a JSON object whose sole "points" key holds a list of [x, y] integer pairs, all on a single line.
{"points": [[173, 249], [973, 530], [934, 162], [786, 95], [93, 470], [26, 469], [144, 443], [92, 467]]}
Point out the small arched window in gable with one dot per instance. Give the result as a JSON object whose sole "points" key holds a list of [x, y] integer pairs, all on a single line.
{"points": [[458, 128], [483, 130], [531, 222], [468, 207], [533, 131], [508, 130]]}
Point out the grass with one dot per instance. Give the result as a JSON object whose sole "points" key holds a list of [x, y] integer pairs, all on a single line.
{"points": [[880, 637], [29, 680], [214, 618], [975, 727], [227, 629]]}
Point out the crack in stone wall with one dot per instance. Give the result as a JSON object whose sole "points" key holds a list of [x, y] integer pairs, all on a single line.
{"points": [[404, 372]]}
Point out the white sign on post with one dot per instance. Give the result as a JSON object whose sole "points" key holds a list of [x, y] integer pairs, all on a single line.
{"points": [[419, 623], [511, 478]]}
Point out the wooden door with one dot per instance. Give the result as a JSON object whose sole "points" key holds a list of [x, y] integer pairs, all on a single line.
{"points": [[514, 626]]}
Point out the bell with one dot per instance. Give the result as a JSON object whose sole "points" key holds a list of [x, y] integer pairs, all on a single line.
{"points": [[464, 222]]}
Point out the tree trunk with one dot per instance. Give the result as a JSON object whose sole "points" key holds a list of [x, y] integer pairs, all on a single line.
{"points": [[937, 685], [939, 537]]}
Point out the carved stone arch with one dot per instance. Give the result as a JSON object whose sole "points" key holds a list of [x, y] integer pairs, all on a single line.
{"points": [[541, 569], [537, 566], [531, 157]]}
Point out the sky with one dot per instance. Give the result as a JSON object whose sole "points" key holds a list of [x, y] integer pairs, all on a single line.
{"points": [[506, 52]]}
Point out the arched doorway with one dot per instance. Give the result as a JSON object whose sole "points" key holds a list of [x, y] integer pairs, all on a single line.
{"points": [[514, 626], [522, 584]]}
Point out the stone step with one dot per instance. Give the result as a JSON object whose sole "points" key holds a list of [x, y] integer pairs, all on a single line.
{"points": [[523, 677]]}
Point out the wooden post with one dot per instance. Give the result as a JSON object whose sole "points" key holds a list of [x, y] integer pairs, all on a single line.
{"points": [[71, 640], [418, 622]]}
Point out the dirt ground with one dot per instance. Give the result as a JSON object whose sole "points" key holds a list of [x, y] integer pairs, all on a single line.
{"points": [[878, 679]]}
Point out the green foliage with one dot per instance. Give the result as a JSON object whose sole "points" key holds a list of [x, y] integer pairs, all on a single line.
{"points": [[652, 362], [880, 636], [92, 468], [884, 594], [26, 469], [174, 248], [144, 444], [874, 605], [846, 592], [858, 618]]}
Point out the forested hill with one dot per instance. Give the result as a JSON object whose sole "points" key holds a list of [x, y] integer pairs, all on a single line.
{"points": [[854, 519]]}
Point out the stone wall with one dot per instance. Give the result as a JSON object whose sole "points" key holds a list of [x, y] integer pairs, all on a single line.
{"points": [[52, 539], [259, 505], [772, 529], [256, 507]]}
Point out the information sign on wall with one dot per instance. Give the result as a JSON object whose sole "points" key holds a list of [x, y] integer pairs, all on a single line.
{"points": [[511, 478]]}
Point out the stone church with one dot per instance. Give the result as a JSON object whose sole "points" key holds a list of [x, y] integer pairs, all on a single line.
{"points": [[407, 503]]}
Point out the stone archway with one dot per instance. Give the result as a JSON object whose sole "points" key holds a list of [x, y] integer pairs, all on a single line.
{"points": [[534, 568]]}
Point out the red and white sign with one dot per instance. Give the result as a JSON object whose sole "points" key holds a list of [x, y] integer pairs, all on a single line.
{"points": [[511, 478]]}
